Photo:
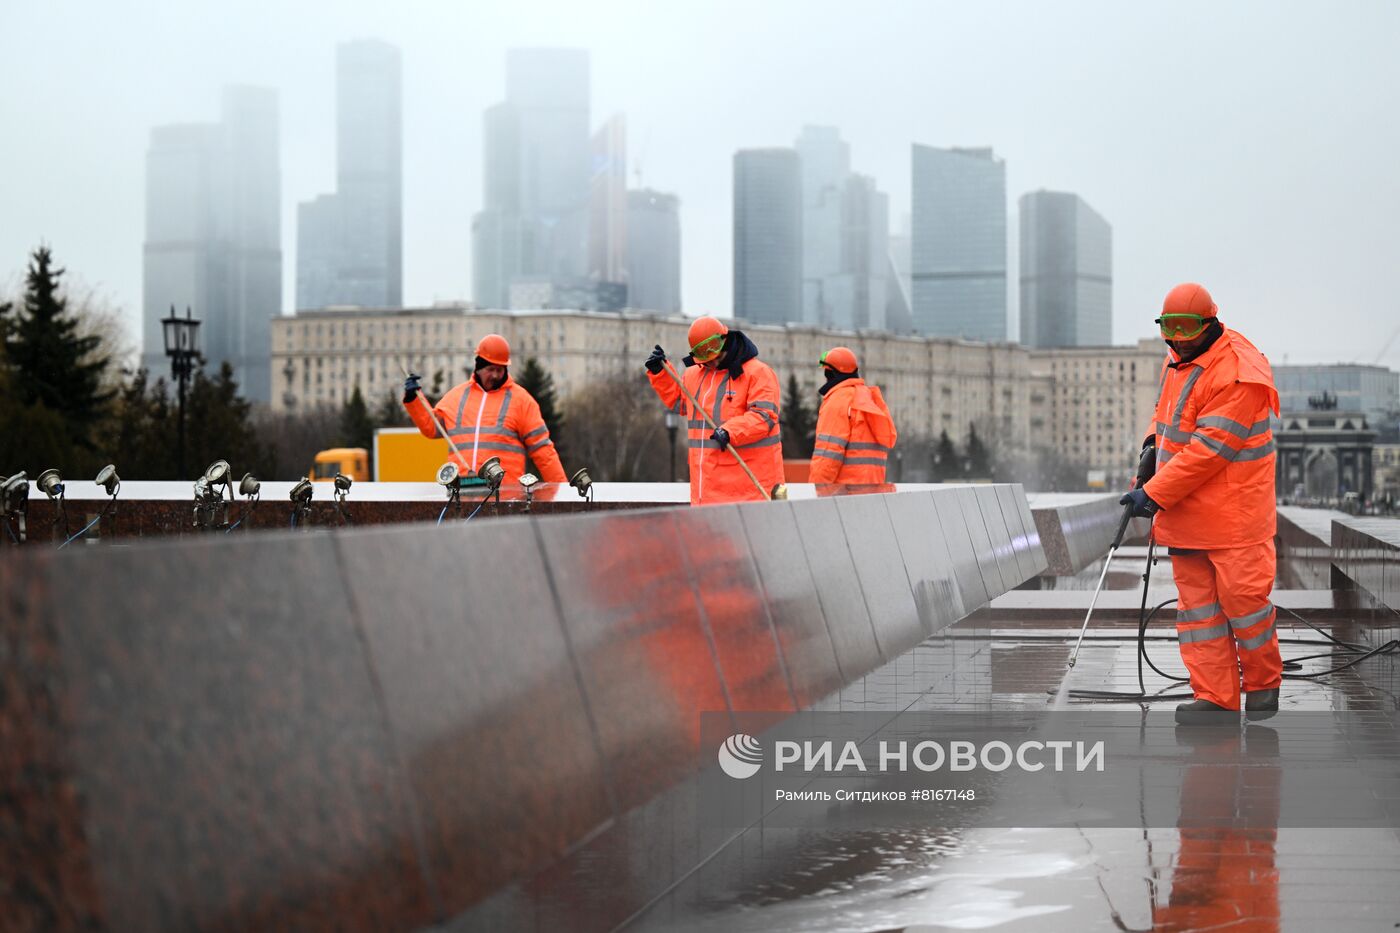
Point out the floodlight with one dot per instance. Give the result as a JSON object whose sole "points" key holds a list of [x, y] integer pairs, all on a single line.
{"points": [[447, 474], [15, 493], [581, 482], [342, 483], [492, 472], [529, 480], [50, 483], [249, 486], [302, 492], [217, 473], [108, 479]]}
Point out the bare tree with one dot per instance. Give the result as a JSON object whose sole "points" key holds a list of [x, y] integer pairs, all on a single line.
{"points": [[617, 430]]}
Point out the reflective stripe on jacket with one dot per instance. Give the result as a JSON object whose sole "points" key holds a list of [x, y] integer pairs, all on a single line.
{"points": [[746, 407], [1215, 451], [855, 434], [505, 423]]}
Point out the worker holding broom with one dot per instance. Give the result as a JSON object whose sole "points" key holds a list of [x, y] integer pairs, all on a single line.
{"points": [[1212, 492], [729, 398]]}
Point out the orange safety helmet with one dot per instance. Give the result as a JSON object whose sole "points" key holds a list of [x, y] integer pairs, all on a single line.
{"points": [[704, 330], [494, 349], [1189, 298], [841, 359]]}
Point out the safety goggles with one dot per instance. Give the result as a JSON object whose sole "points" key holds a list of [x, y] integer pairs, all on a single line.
{"points": [[822, 361], [707, 349], [1181, 326]]}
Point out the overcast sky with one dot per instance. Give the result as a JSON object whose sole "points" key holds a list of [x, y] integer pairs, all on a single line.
{"points": [[1254, 147]]}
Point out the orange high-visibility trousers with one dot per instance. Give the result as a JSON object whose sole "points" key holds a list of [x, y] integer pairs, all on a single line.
{"points": [[1225, 622]]}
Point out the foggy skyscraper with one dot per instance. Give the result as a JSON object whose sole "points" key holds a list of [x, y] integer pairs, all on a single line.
{"points": [[213, 236], [534, 225], [845, 236], [607, 235], [653, 251], [768, 235], [958, 248], [1066, 272], [350, 244]]}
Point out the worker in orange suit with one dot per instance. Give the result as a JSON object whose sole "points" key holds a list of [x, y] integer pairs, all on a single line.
{"points": [[488, 416], [1209, 482], [855, 432], [740, 392]]}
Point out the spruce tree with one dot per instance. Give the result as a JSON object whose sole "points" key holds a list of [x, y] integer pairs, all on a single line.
{"points": [[356, 426], [52, 365], [536, 380], [945, 459], [799, 422], [979, 461]]}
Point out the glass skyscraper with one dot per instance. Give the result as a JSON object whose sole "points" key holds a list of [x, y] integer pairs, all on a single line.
{"points": [[768, 235], [958, 248], [1066, 272], [653, 251]]}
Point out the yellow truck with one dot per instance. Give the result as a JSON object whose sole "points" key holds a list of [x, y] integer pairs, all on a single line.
{"points": [[403, 455]]}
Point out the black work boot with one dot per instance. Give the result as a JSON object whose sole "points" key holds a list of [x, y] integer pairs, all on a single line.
{"points": [[1204, 713], [1260, 704]]}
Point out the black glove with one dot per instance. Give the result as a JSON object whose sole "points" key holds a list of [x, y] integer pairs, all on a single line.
{"points": [[1147, 465], [653, 363], [1143, 506], [411, 388], [720, 437]]}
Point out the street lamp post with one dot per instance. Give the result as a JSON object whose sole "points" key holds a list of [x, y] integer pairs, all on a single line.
{"points": [[672, 422], [181, 345]]}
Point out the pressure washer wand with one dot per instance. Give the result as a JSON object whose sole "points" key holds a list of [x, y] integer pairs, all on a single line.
{"points": [[714, 427], [1108, 559]]}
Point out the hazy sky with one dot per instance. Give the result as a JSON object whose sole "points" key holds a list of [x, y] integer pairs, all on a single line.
{"points": [[1254, 147]]}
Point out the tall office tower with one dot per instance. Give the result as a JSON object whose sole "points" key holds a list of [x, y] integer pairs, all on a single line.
{"points": [[653, 251], [213, 236], [958, 248], [534, 222], [844, 236], [351, 252], [768, 235], [607, 215], [1066, 272]]}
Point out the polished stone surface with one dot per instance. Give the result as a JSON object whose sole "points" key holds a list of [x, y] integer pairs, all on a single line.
{"points": [[838, 587], [804, 638], [984, 547], [971, 584], [717, 556], [927, 560], [223, 740], [884, 583], [462, 688]]}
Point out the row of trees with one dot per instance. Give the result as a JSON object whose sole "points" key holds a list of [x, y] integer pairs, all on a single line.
{"points": [[70, 398]]}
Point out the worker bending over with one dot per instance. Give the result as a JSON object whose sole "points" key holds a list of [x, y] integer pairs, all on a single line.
{"points": [[1213, 482], [740, 393], [855, 432], [487, 416]]}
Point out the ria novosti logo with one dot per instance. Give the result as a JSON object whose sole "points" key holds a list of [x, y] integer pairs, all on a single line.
{"points": [[740, 756]]}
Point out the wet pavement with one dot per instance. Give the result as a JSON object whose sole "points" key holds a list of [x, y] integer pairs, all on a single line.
{"points": [[1011, 656]]}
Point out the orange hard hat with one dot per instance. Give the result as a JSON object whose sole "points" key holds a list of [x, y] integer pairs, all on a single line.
{"points": [[840, 359], [706, 338], [494, 349], [1189, 298]]}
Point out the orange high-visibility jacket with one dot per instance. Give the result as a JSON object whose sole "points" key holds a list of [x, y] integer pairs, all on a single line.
{"points": [[1215, 451], [855, 435], [746, 407], [505, 423]]}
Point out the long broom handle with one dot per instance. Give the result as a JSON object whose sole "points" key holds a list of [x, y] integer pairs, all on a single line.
{"points": [[436, 423], [666, 364]]}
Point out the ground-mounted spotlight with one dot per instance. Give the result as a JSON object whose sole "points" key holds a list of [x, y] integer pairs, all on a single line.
{"points": [[342, 489], [217, 476], [583, 483], [778, 493], [108, 479], [301, 501], [14, 505], [251, 491], [447, 477], [493, 473], [50, 483], [210, 509], [528, 482]]}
